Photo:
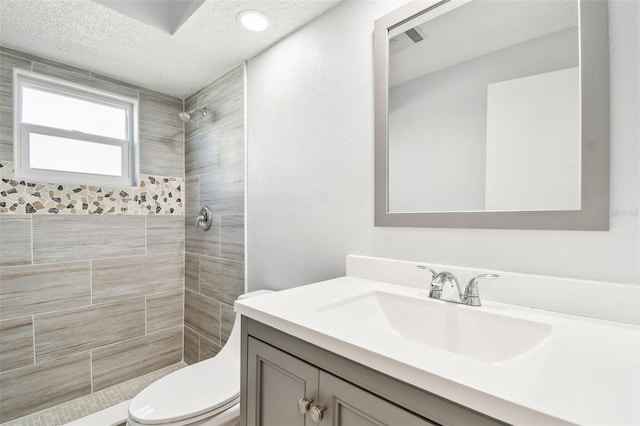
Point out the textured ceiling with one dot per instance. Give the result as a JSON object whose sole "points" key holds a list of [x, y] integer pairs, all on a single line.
{"points": [[88, 35]]}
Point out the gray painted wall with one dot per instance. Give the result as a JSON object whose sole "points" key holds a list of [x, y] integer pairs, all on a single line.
{"points": [[310, 167]]}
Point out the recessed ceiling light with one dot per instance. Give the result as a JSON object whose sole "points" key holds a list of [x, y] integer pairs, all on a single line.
{"points": [[253, 20]]}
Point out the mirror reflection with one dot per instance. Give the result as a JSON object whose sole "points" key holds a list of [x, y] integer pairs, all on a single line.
{"points": [[484, 108]]}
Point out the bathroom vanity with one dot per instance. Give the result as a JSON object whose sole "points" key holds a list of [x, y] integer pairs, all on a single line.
{"points": [[359, 350]]}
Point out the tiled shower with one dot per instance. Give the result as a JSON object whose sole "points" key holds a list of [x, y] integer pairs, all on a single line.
{"points": [[92, 279]]}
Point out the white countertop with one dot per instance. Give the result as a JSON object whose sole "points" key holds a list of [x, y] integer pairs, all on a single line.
{"points": [[586, 372]]}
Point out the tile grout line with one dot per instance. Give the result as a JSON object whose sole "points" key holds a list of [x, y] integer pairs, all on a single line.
{"points": [[33, 336]]}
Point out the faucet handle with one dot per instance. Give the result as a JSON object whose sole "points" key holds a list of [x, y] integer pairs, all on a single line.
{"points": [[471, 293], [435, 290], [433, 273]]}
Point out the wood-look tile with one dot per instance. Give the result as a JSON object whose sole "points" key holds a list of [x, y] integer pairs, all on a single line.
{"points": [[6, 134], [30, 389], [7, 64], [202, 315], [15, 244], [35, 289], [191, 346], [221, 279], [59, 238], [192, 272], [191, 129], [135, 87], [202, 242], [83, 79], [208, 349], [16, 343], [223, 191], [232, 237], [164, 310], [232, 150], [227, 318], [165, 234], [79, 329], [192, 196], [202, 153], [127, 360], [123, 278], [225, 98], [161, 156], [159, 117]]}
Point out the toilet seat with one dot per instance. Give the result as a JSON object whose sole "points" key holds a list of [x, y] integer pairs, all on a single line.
{"points": [[197, 391]]}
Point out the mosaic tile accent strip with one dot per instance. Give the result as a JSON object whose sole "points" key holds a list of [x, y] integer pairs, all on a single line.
{"points": [[155, 195], [62, 414]]}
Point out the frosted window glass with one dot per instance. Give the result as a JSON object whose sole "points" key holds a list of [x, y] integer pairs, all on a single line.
{"points": [[69, 113], [71, 155]]}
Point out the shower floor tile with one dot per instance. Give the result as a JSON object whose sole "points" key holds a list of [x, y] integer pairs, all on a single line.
{"points": [[62, 414]]}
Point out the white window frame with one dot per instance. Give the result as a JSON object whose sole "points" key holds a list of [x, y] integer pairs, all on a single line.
{"points": [[22, 131]]}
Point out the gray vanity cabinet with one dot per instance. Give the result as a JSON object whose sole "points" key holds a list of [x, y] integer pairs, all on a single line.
{"points": [[278, 370], [277, 381]]}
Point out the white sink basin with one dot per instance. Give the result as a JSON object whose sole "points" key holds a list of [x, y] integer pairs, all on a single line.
{"points": [[464, 330]]}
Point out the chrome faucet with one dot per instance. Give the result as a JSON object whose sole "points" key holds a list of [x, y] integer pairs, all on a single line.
{"points": [[445, 279]]}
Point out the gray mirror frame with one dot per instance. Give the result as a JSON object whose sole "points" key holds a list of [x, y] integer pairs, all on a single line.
{"points": [[594, 77]]}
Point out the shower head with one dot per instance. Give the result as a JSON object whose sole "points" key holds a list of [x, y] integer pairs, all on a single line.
{"points": [[187, 117]]}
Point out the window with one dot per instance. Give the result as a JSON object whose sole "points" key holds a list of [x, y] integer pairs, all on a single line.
{"points": [[68, 133]]}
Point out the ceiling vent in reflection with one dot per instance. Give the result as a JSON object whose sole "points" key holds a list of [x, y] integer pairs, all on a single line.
{"points": [[405, 40], [164, 15]]}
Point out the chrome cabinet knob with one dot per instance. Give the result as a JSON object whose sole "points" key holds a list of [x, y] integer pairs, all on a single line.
{"points": [[304, 404], [317, 413]]}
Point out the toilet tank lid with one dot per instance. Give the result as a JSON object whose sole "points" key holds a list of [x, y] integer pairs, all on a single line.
{"points": [[191, 391]]}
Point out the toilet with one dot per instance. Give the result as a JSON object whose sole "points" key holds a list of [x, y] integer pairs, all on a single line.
{"points": [[204, 393]]}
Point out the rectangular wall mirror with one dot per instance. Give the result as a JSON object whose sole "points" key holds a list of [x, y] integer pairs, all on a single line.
{"points": [[493, 114]]}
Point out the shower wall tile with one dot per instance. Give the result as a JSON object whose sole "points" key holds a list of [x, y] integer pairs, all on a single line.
{"points": [[7, 64], [202, 314], [225, 97], [123, 361], [68, 238], [208, 349], [123, 278], [84, 79], [34, 289], [191, 346], [6, 134], [39, 386], [52, 234], [232, 154], [161, 156], [15, 244], [80, 329], [202, 242], [159, 117], [191, 129], [192, 272], [16, 343], [192, 196], [232, 237], [215, 169], [165, 310], [202, 153], [223, 191], [227, 318], [221, 279], [165, 234]]}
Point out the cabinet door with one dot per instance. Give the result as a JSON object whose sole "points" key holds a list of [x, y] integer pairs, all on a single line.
{"points": [[276, 381], [348, 405]]}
